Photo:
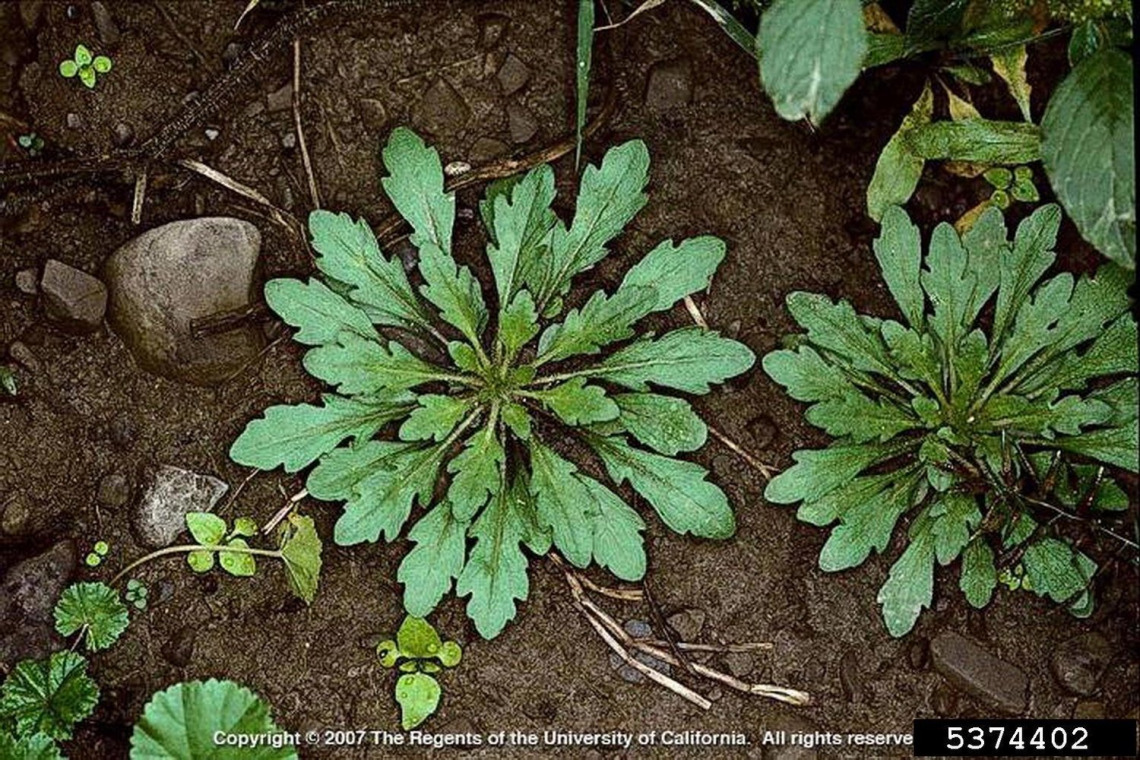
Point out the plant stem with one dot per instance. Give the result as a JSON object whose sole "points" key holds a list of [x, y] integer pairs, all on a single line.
{"points": [[186, 549]]}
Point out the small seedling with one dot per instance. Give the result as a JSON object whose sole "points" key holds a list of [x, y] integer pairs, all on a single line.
{"points": [[299, 550], [98, 552], [1009, 186], [8, 381], [418, 652], [85, 66], [32, 143], [136, 593]]}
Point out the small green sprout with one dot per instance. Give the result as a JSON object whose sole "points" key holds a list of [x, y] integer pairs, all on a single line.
{"points": [[86, 66], [8, 381], [1009, 186], [136, 593], [417, 652], [32, 143], [98, 552]]}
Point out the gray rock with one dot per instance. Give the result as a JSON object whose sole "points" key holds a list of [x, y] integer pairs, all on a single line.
{"points": [[280, 99], [739, 664], [513, 75], [520, 123], [670, 85], [487, 149], [169, 276], [171, 493], [105, 25], [1089, 710], [27, 596], [73, 121], [687, 623], [1079, 663], [632, 674], [23, 353], [492, 27], [74, 299], [114, 490], [975, 671], [179, 649], [26, 281], [639, 629], [441, 110]]}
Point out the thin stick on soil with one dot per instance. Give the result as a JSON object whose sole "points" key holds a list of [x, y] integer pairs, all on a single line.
{"points": [[282, 513], [282, 217], [766, 470], [139, 198], [314, 195], [659, 621], [237, 491]]}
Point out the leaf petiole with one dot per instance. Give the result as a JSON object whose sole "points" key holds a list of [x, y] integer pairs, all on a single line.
{"points": [[187, 548]]}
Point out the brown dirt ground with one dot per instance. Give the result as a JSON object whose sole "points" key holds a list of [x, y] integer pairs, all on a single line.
{"points": [[788, 200]]}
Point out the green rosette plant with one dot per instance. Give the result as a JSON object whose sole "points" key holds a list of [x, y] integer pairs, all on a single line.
{"points": [[485, 397], [974, 426]]}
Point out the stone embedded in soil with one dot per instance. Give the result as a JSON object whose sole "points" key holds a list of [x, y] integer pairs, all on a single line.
{"points": [[632, 674], [513, 75], [280, 99], [122, 135], [487, 149], [114, 490], [179, 649], [171, 275], [670, 85], [492, 27], [26, 281], [918, 652], [441, 110], [22, 353], [688, 623], [105, 25], [75, 300], [975, 671], [28, 595], [739, 664], [1079, 663], [172, 493], [520, 123], [1089, 710]]}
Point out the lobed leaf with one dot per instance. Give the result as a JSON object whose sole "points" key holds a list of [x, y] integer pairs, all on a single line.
{"points": [[576, 403], [689, 360], [415, 186], [301, 553], [898, 249], [909, 588], [663, 423], [437, 559], [96, 610], [435, 417], [562, 503], [321, 314], [357, 365], [48, 696]]}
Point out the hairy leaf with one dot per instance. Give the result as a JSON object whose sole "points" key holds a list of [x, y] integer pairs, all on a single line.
{"points": [[909, 588], [979, 576], [576, 403], [898, 169], [617, 545], [415, 186], [437, 559], [320, 313], [687, 360], [434, 418], [301, 551], [476, 473], [562, 502], [357, 365], [48, 696], [663, 423], [96, 610]]}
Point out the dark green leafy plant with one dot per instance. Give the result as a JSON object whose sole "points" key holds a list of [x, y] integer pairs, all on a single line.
{"points": [[95, 611], [181, 723], [418, 652], [500, 398], [47, 697], [33, 747], [975, 435], [85, 65], [8, 382]]}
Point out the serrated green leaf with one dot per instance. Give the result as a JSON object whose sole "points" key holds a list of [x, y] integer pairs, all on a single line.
{"points": [[868, 525], [862, 419], [428, 570], [520, 224], [358, 365], [517, 419], [434, 418], [618, 544], [909, 588], [608, 199], [495, 575], [806, 375], [675, 271], [688, 360], [1054, 571], [898, 249], [183, 722], [207, 528], [237, 563], [987, 247], [1009, 64], [976, 140], [955, 516], [676, 489], [382, 500], [294, 436], [897, 169], [301, 552], [418, 696], [949, 284], [94, 608], [415, 186], [968, 366], [343, 468], [663, 423], [34, 747], [979, 576], [347, 252], [1041, 417], [915, 355], [603, 320], [576, 403], [1088, 152], [455, 292], [48, 696], [810, 53], [837, 328], [320, 313], [819, 471], [476, 474], [562, 502], [1119, 444], [1031, 255], [518, 323]]}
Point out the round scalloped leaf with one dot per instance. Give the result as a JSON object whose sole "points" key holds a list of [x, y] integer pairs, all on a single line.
{"points": [[82, 55], [418, 696], [237, 563], [102, 64], [94, 608], [68, 68], [201, 561], [34, 747], [179, 723], [418, 639], [207, 528], [48, 696], [450, 653]]}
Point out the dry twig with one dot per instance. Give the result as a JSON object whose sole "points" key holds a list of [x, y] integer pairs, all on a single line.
{"points": [[314, 195]]}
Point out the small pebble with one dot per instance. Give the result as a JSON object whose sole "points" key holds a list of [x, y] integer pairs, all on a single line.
{"points": [[73, 121], [26, 281], [289, 141], [22, 353], [114, 490], [212, 134], [123, 135], [639, 629]]}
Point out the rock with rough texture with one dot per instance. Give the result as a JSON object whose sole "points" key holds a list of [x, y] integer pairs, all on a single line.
{"points": [[23, 518], [114, 490], [670, 85], [520, 123], [75, 300], [972, 669], [441, 110], [1079, 663], [172, 493], [27, 597], [688, 623], [26, 282], [513, 75], [169, 276]]}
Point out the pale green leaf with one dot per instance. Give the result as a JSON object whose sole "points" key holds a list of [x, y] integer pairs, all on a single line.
{"points": [[207, 528], [868, 525], [519, 224], [909, 588], [428, 570], [949, 284], [357, 365], [819, 471], [455, 291], [1040, 417], [1009, 64], [675, 271], [237, 563], [382, 500], [577, 403], [415, 186], [562, 502], [811, 51], [1054, 570], [340, 470], [618, 544], [861, 418], [518, 323], [434, 418], [898, 170], [837, 328], [320, 313], [476, 474], [417, 638], [663, 423], [1031, 255], [955, 515], [32, 747], [418, 696], [301, 552], [603, 320], [805, 375], [898, 249], [687, 360]]}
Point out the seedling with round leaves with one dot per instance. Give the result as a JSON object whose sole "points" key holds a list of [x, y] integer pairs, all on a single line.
{"points": [[979, 430], [85, 66], [32, 143], [487, 396], [299, 550], [418, 652], [98, 552], [1011, 185], [136, 593]]}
